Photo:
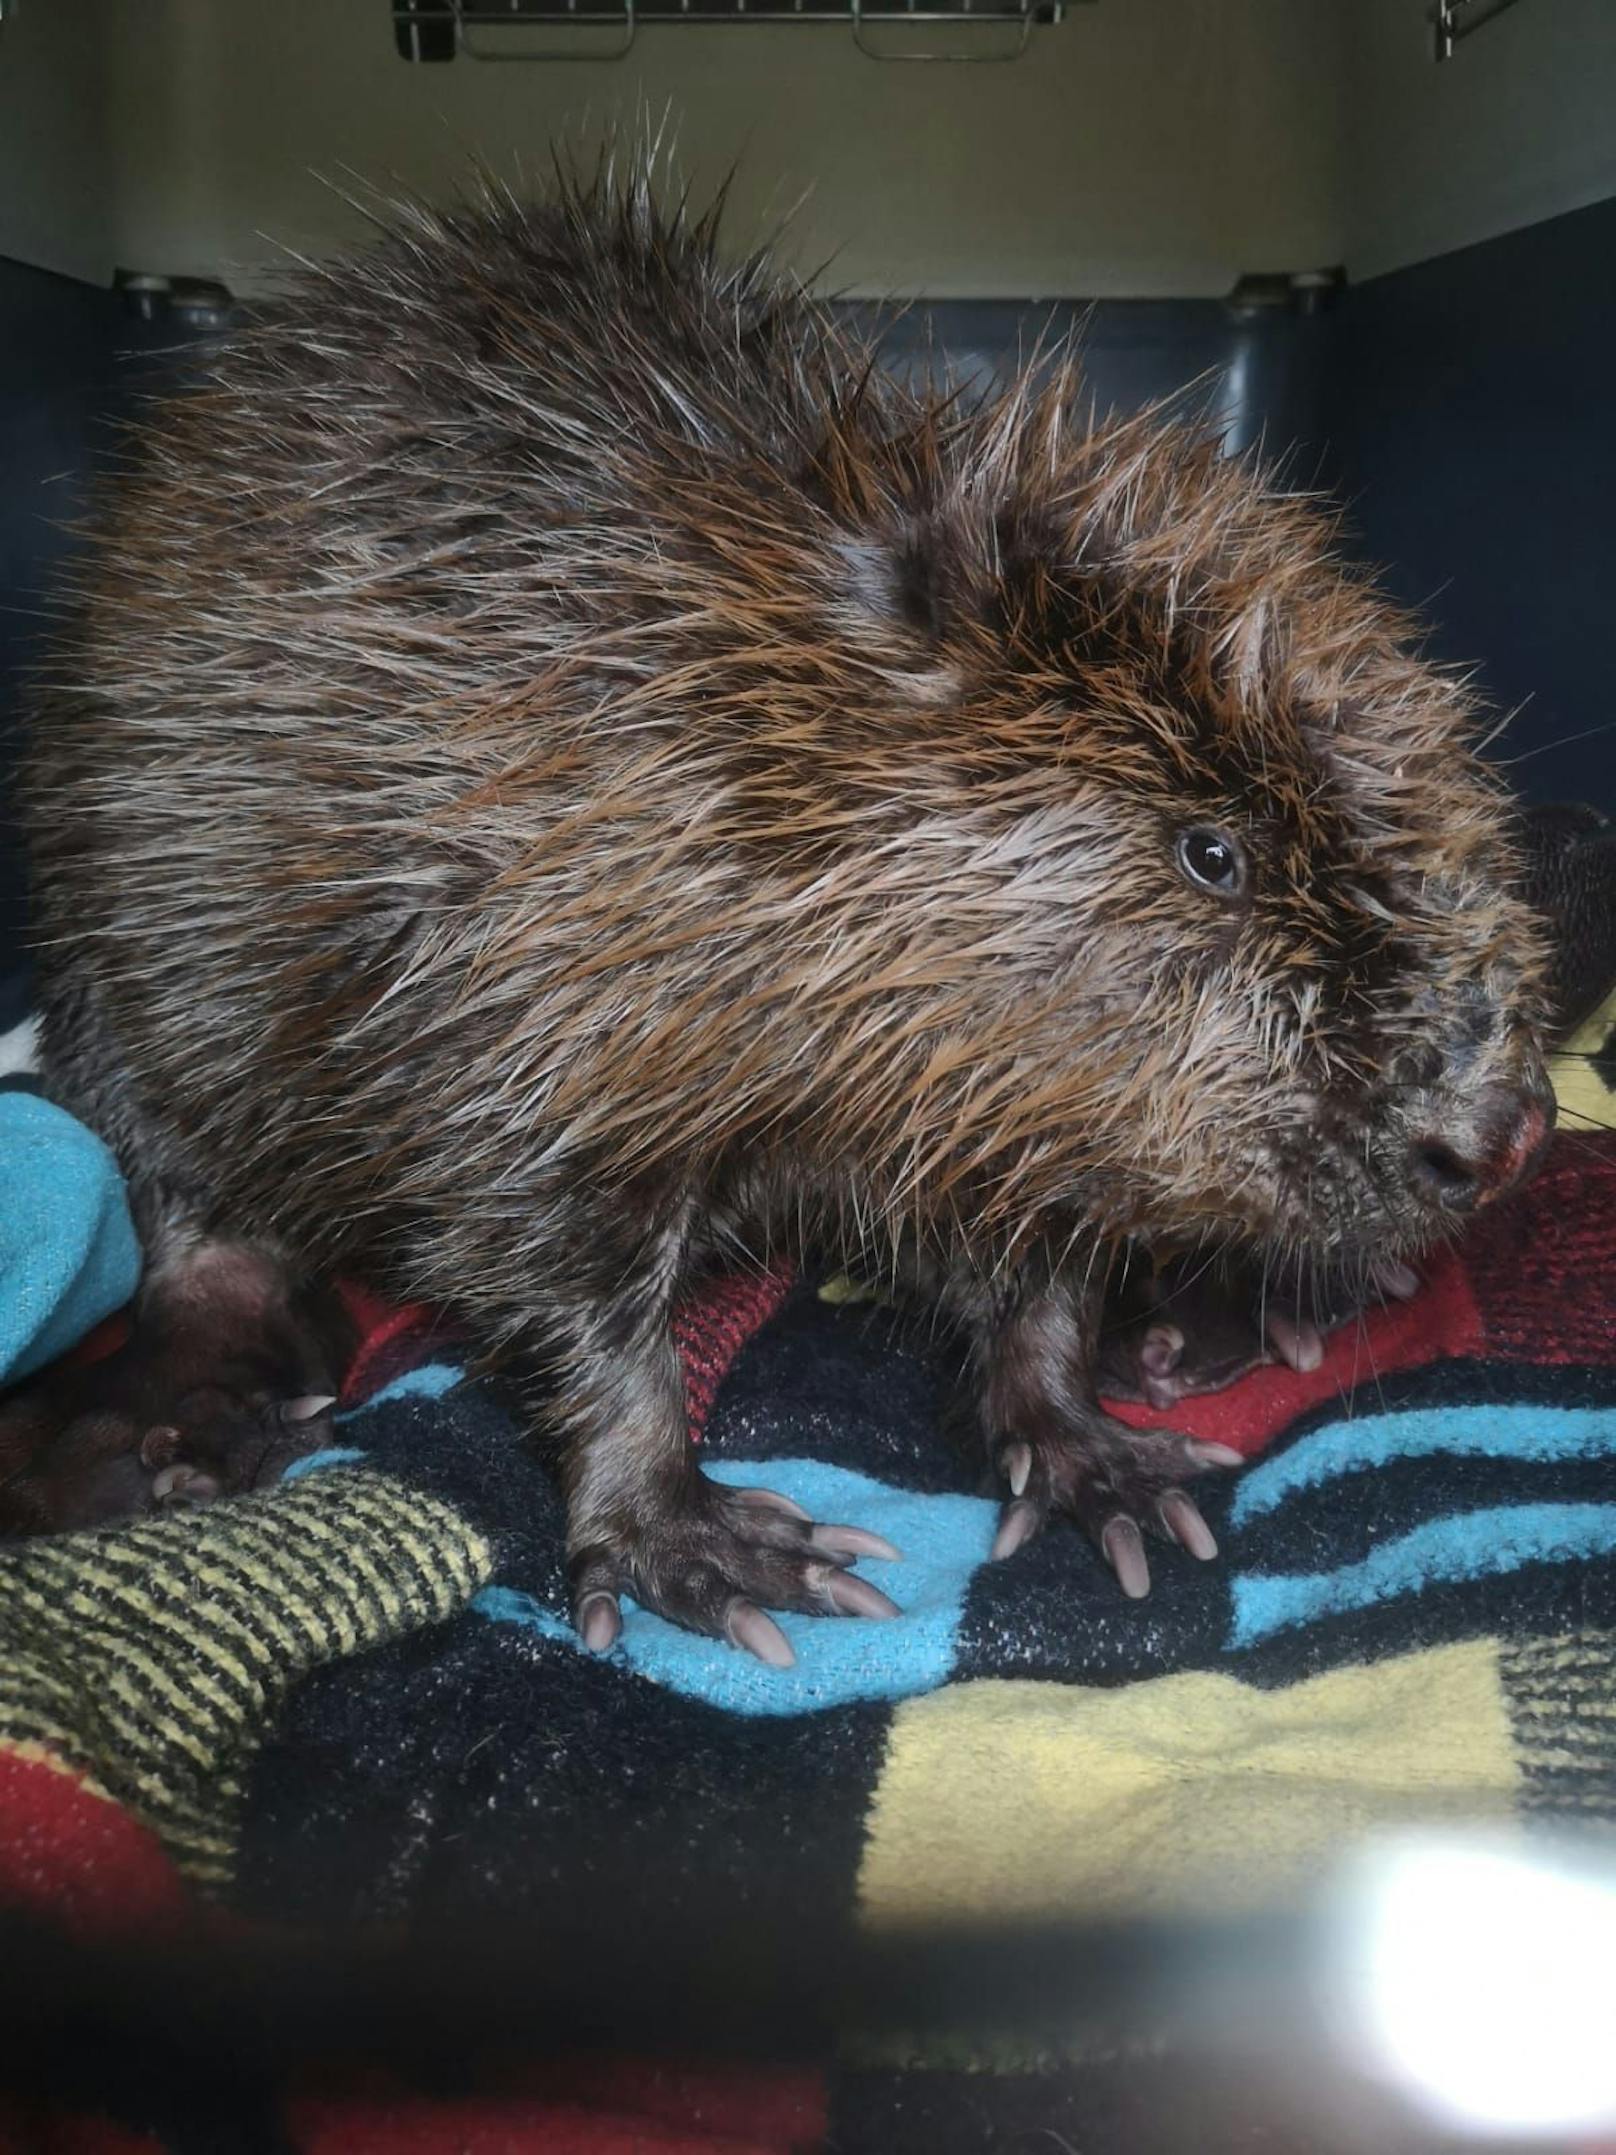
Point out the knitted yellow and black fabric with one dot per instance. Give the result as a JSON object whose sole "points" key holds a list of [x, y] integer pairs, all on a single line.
{"points": [[356, 1700], [149, 1659]]}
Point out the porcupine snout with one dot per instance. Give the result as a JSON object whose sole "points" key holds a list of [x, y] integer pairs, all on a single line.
{"points": [[1464, 1161], [1476, 1144]]}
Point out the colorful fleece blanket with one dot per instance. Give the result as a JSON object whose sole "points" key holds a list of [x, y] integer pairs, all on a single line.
{"points": [[354, 1704]]}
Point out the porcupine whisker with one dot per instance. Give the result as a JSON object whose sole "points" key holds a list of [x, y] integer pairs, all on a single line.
{"points": [[1503, 725], [1183, 1286], [1349, 1397], [1578, 1142], [1369, 1348], [1262, 1301], [1545, 748]]}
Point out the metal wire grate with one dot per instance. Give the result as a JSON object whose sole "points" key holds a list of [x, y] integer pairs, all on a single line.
{"points": [[441, 30], [1452, 21]]}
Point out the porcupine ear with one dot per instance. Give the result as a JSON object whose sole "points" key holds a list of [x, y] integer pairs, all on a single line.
{"points": [[946, 539], [909, 592], [903, 606], [927, 581]]}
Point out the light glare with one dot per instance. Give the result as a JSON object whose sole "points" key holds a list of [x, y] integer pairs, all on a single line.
{"points": [[1487, 1986]]}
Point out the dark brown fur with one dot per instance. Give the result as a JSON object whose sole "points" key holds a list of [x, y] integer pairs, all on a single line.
{"points": [[560, 770]]}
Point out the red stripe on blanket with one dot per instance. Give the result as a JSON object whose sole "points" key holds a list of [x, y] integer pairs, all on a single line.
{"points": [[79, 1858], [106, 1338], [619, 2107], [393, 1338], [710, 1329], [1536, 1263], [715, 1324], [1516, 1291], [76, 2136]]}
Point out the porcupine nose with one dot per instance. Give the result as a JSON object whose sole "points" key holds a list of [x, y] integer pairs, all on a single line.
{"points": [[1488, 1149]]}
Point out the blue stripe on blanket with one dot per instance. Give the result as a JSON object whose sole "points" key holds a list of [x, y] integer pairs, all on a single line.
{"points": [[335, 1455], [430, 1381], [1469, 1545], [839, 1662], [68, 1253], [1527, 1433]]}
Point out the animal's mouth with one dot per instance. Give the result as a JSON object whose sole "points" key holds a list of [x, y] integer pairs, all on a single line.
{"points": [[1383, 1187]]}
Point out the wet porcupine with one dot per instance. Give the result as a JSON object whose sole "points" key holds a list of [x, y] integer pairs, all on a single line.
{"points": [[559, 769]]}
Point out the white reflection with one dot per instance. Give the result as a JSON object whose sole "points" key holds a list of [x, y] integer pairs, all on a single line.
{"points": [[1484, 1982]]}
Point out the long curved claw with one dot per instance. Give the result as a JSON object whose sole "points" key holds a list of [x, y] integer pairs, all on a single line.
{"points": [[600, 1622], [1214, 1455], [1020, 1523], [182, 1484], [747, 1626], [1181, 1516], [771, 1500], [1298, 1342], [849, 1595], [848, 1543], [1395, 1278], [1016, 1462], [1123, 1547]]}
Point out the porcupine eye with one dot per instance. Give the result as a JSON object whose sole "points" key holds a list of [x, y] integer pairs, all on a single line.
{"points": [[1213, 861]]}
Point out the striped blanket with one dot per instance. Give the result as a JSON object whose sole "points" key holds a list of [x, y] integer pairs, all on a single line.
{"points": [[354, 1705]]}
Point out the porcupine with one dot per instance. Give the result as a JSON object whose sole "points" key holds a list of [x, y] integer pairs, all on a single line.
{"points": [[559, 769]]}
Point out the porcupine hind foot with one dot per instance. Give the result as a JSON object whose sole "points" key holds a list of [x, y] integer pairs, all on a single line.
{"points": [[246, 1358], [230, 1374], [234, 1362]]}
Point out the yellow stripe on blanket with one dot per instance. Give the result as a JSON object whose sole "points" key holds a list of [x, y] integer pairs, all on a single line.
{"points": [[1188, 1795], [1584, 1096]]}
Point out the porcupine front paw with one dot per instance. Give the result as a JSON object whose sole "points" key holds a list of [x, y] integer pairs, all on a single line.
{"points": [[715, 1559], [1192, 1330], [1117, 1484]]}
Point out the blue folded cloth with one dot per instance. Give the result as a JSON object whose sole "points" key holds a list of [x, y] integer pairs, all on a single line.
{"points": [[68, 1253]]}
